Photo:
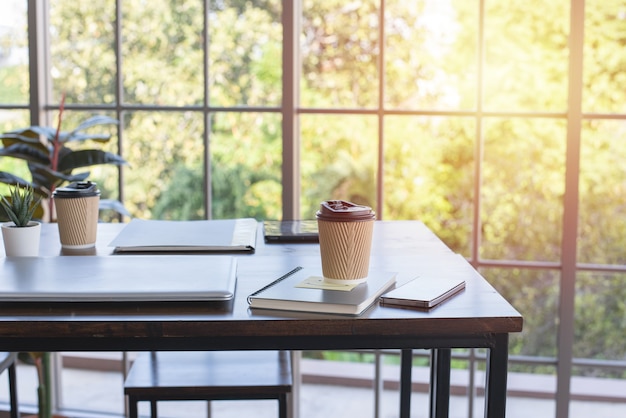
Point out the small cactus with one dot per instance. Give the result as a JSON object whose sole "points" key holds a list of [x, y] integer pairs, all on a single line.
{"points": [[21, 205]]}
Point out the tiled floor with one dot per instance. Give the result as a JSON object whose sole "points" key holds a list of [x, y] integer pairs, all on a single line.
{"points": [[103, 391]]}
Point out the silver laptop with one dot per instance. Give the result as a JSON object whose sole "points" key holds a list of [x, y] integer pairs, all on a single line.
{"points": [[117, 278]]}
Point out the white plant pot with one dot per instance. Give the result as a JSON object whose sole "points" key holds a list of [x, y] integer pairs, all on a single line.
{"points": [[21, 241]]}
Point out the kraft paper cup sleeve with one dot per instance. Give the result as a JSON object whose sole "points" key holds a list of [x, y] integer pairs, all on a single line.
{"points": [[77, 207], [345, 235]]}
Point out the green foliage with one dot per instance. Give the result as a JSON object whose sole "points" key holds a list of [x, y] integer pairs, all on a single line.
{"points": [[603, 76], [37, 145], [82, 53], [600, 295], [429, 175], [340, 55], [21, 205], [433, 164], [535, 294], [245, 59], [10, 80], [182, 197], [337, 165], [536, 36], [348, 356], [603, 217]]}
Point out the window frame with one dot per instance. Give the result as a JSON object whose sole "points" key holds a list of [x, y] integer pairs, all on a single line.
{"points": [[41, 109]]}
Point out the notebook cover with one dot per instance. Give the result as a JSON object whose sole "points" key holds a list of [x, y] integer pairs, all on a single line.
{"points": [[215, 235], [284, 295]]}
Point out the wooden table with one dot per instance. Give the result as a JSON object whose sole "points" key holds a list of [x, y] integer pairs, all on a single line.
{"points": [[479, 317]]}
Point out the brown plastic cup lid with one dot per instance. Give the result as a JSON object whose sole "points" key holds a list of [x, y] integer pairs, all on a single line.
{"points": [[77, 189], [340, 210]]}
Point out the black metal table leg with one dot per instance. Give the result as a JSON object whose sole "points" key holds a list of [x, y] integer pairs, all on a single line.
{"points": [[497, 362], [406, 362], [13, 391], [440, 383]]}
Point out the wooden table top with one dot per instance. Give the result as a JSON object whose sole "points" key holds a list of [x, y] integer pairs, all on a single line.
{"points": [[406, 247]]}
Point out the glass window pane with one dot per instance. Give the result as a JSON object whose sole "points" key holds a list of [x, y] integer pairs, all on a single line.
{"points": [[165, 152], [523, 185], [604, 83], [542, 402], [608, 393], [602, 229], [105, 175], [535, 294], [245, 53], [340, 48], [162, 55], [13, 52], [338, 159], [82, 51], [526, 55], [246, 164], [9, 121], [429, 174], [431, 54], [599, 317], [13, 119]]}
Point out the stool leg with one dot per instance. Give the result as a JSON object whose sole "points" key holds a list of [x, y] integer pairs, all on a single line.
{"points": [[13, 391], [132, 407], [153, 409]]}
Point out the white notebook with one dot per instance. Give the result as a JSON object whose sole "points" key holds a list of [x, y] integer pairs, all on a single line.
{"points": [[117, 279], [215, 235]]}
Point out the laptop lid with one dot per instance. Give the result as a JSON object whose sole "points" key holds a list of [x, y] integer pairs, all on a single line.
{"points": [[117, 279]]}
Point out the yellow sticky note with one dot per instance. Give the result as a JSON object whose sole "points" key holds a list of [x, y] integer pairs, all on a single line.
{"points": [[317, 282]]}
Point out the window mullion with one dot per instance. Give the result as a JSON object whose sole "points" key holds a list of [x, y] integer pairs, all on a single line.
{"points": [[38, 52], [570, 210], [290, 101]]}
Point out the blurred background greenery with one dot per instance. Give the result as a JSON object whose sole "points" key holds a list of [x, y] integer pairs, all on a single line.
{"points": [[453, 129]]}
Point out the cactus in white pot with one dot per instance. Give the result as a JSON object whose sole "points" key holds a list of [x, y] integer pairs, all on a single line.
{"points": [[21, 205], [21, 235]]}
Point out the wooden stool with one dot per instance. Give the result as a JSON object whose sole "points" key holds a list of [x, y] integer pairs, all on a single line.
{"points": [[7, 361], [207, 376]]}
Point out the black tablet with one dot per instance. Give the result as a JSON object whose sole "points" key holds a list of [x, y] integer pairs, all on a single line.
{"points": [[304, 231]]}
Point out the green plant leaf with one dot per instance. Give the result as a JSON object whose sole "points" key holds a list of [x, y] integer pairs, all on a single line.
{"points": [[94, 121], [115, 205], [87, 137], [25, 137], [45, 177], [26, 152], [45, 131], [86, 158], [8, 178], [35, 144], [75, 135]]}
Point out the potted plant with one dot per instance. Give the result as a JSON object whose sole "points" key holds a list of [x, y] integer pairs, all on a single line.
{"points": [[21, 235], [52, 161]]}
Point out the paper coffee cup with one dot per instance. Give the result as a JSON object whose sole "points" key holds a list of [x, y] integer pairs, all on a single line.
{"points": [[345, 235], [77, 207]]}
